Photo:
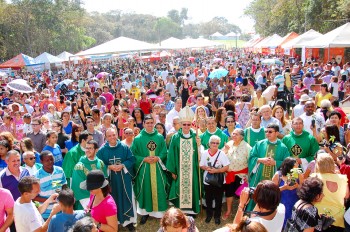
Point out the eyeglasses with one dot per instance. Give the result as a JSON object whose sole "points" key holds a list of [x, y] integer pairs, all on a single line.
{"points": [[269, 131], [217, 143], [186, 124], [230, 122], [31, 158]]}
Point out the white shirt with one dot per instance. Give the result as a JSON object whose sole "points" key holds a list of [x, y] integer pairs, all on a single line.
{"points": [[27, 217], [170, 87], [29, 108], [127, 85], [170, 116], [276, 223], [207, 159], [298, 110], [319, 122]]}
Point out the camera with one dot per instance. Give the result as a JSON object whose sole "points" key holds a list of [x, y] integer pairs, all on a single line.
{"points": [[251, 192], [341, 157]]}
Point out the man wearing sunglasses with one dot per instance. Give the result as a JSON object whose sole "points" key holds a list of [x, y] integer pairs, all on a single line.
{"points": [[182, 162], [266, 157], [29, 162]]}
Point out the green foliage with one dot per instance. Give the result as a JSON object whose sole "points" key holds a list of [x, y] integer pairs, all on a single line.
{"points": [[284, 16], [36, 26]]}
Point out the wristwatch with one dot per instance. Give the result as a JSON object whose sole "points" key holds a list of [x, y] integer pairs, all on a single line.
{"points": [[98, 226]]}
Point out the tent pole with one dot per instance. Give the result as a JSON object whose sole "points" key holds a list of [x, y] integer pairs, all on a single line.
{"points": [[329, 46]]}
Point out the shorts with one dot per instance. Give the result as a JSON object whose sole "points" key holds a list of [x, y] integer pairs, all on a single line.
{"points": [[231, 188]]}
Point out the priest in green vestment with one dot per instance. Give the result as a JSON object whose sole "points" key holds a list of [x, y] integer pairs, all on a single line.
{"points": [[255, 133], [213, 130], [120, 162], [301, 144], [266, 157], [74, 154], [87, 163], [151, 182], [182, 162]]}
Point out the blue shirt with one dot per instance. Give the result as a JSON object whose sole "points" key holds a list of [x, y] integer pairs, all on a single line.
{"points": [[68, 129], [264, 123], [57, 154], [49, 182], [63, 221], [3, 164]]}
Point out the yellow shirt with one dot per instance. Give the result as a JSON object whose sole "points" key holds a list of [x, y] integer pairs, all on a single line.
{"points": [[333, 202], [136, 92], [319, 96], [258, 102]]}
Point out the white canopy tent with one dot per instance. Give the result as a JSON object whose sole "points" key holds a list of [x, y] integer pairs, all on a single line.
{"points": [[119, 45], [216, 34], [301, 40], [338, 38], [262, 42], [273, 42], [47, 58], [65, 56], [173, 43]]}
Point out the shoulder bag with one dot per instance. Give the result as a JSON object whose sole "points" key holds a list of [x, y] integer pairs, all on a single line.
{"points": [[215, 179]]}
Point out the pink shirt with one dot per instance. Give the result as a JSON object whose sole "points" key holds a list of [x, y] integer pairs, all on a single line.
{"points": [[5, 203], [105, 209]]}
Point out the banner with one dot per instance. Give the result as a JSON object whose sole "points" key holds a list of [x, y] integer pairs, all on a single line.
{"points": [[100, 58]]}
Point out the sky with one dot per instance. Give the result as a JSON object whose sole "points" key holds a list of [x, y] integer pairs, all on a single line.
{"points": [[198, 10]]}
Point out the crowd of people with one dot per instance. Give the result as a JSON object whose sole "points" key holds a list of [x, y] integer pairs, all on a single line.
{"points": [[168, 138]]}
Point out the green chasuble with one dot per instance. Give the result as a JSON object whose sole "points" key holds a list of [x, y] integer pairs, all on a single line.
{"points": [[150, 182], [120, 182], [301, 146], [206, 136], [81, 169], [258, 172], [70, 160], [263, 149], [183, 162], [252, 137]]}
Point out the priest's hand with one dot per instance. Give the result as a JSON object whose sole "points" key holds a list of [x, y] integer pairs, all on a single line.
{"points": [[116, 167], [271, 162], [264, 161], [173, 176], [154, 159], [198, 140]]}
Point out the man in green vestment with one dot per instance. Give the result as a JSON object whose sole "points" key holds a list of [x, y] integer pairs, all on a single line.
{"points": [[150, 184], [87, 163], [266, 157], [213, 130], [74, 154], [255, 133], [301, 145], [182, 162], [120, 162]]}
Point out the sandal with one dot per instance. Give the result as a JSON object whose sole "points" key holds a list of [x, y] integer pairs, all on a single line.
{"points": [[225, 216]]}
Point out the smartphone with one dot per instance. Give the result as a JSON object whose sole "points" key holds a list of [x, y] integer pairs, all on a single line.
{"points": [[209, 164], [346, 126], [313, 122]]}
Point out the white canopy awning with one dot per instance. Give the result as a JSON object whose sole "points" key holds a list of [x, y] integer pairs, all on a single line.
{"points": [[338, 38], [302, 39], [47, 58]]}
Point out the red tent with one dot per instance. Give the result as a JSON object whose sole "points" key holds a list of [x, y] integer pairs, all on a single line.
{"points": [[18, 62]]}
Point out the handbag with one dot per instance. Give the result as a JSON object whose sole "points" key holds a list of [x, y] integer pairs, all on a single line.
{"points": [[327, 221], [215, 179], [291, 225]]}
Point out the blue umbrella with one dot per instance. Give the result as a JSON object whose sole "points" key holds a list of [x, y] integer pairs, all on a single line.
{"points": [[64, 82], [218, 73], [272, 61]]}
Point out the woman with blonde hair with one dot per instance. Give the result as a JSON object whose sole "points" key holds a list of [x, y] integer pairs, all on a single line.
{"points": [[335, 191], [278, 113], [199, 113]]}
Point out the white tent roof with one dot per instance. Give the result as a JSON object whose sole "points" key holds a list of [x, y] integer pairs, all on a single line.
{"points": [[173, 43], [216, 34], [119, 45], [65, 56], [47, 58], [302, 39], [262, 42], [231, 34], [274, 41], [339, 37]]}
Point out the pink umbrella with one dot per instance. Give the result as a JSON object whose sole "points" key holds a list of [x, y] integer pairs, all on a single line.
{"points": [[191, 58], [101, 74], [217, 59]]}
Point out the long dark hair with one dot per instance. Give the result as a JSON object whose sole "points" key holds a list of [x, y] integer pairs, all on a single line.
{"points": [[142, 114]]}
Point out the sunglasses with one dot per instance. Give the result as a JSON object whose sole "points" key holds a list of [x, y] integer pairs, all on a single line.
{"points": [[186, 124], [269, 131], [215, 143], [31, 158]]}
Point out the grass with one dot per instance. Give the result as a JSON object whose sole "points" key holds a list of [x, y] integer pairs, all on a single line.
{"points": [[152, 224], [232, 43]]}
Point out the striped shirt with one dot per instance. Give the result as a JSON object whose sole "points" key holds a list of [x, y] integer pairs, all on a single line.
{"points": [[49, 182]]}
